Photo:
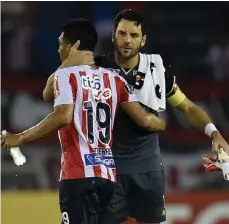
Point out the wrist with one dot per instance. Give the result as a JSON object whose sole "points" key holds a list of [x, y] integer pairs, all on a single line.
{"points": [[211, 130], [215, 134]]}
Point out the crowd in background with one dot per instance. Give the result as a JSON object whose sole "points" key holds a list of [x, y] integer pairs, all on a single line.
{"points": [[192, 36]]}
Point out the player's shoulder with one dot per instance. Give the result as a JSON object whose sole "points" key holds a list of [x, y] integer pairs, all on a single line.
{"points": [[169, 73], [154, 57]]}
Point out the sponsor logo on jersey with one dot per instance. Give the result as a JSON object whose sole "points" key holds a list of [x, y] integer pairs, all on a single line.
{"points": [[94, 159], [91, 83], [102, 94]]}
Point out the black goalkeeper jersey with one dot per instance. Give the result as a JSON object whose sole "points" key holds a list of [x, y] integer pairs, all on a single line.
{"points": [[135, 150]]}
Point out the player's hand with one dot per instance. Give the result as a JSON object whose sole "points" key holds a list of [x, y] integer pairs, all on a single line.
{"points": [[11, 140], [219, 142], [77, 57]]}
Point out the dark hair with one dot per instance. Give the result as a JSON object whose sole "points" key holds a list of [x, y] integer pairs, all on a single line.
{"points": [[130, 15], [80, 29]]}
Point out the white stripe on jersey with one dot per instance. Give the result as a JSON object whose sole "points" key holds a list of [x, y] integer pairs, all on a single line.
{"points": [[84, 149]]}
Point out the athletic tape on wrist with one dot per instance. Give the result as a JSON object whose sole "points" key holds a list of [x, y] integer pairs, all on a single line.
{"points": [[209, 129]]}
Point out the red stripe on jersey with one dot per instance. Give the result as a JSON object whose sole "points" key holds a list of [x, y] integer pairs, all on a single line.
{"points": [[84, 113], [97, 171], [107, 84], [73, 83]]}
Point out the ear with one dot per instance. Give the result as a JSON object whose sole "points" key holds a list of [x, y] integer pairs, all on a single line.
{"points": [[113, 33], [143, 41]]}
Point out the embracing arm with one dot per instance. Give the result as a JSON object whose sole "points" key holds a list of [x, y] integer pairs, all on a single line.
{"points": [[142, 118]]}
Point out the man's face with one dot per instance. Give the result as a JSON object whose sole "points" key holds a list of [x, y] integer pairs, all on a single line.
{"points": [[64, 48], [128, 39]]}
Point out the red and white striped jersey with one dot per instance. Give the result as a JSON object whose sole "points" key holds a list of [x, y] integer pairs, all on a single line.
{"points": [[86, 142]]}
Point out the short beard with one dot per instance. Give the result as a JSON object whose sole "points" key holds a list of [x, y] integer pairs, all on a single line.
{"points": [[135, 52]]}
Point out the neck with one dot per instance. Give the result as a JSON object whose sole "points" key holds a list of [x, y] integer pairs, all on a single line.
{"points": [[127, 63]]}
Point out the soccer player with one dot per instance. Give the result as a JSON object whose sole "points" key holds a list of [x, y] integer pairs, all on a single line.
{"points": [[137, 153], [85, 102]]}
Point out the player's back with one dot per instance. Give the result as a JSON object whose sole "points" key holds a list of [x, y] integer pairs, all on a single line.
{"points": [[86, 141]]}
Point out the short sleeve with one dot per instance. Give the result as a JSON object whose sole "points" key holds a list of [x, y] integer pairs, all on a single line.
{"points": [[63, 91]]}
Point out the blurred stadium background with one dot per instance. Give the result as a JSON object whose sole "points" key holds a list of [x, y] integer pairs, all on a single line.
{"points": [[192, 36]]}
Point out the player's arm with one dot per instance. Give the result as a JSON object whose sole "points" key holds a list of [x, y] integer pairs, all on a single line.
{"points": [[196, 116], [60, 117], [131, 106], [75, 58], [48, 92], [142, 118]]}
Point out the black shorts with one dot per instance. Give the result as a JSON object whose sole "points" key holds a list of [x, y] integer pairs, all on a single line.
{"points": [[145, 196], [92, 201]]}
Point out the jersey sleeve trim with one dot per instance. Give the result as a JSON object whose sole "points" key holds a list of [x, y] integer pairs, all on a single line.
{"points": [[62, 88]]}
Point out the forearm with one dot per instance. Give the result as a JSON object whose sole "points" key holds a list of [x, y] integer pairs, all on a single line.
{"points": [[197, 117], [155, 123], [143, 119], [51, 123], [194, 114]]}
